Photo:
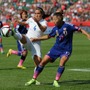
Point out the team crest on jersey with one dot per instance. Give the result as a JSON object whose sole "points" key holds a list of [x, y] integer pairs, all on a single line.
{"points": [[65, 31]]}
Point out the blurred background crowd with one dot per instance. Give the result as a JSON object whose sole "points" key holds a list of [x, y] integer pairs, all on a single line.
{"points": [[74, 10]]}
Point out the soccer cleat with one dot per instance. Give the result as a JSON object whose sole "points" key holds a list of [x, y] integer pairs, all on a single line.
{"points": [[56, 84], [2, 52], [32, 81], [21, 67], [37, 82], [9, 52]]}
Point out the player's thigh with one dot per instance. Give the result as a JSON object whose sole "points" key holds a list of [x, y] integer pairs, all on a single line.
{"points": [[45, 60], [64, 55], [63, 60]]}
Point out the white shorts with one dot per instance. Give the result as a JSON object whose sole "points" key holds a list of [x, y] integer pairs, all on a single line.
{"points": [[34, 47]]}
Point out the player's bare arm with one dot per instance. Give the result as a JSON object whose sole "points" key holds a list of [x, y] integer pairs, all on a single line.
{"points": [[22, 23], [85, 33], [45, 37], [43, 28], [16, 19]]}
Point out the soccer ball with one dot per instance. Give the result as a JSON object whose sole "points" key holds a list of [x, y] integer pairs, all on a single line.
{"points": [[6, 31]]}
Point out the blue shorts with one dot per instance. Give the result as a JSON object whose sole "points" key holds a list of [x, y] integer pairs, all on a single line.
{"points": [[54, 54]]}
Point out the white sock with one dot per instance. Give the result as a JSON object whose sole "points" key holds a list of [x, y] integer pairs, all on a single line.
{"points": [[17, 36]]}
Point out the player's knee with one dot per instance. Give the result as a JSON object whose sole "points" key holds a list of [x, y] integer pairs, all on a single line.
{"points": [[23, 40], [24, 53]]}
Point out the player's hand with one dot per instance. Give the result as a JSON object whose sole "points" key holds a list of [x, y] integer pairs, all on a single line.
{"points": [[16, 19], [35, 19]]}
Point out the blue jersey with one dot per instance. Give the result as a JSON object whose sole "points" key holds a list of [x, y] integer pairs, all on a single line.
{"points": [[64, 37], [21, 29]]}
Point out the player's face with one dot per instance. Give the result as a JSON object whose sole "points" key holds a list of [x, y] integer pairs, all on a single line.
{"points": [[38, 15], [57, 20], [24, 15]]}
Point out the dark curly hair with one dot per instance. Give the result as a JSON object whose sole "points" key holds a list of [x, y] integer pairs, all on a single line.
{"points": [[22, 12]]}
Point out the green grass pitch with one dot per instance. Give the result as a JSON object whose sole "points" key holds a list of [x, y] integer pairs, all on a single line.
{"points": [[12, 78]]}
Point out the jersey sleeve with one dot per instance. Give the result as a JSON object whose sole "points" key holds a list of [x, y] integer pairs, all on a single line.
{"points": [[27, 22], [75, 28], [44, 23]]}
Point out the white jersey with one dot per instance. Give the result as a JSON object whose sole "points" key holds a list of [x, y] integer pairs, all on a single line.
{"points": [[34, 30]]}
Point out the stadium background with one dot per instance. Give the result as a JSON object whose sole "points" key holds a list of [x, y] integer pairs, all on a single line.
{"points": [[75, 11]]}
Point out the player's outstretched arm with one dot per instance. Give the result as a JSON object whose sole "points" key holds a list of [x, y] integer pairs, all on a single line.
{"points": [[19, 22], [22, 23], [85, 33], [45, 37]]}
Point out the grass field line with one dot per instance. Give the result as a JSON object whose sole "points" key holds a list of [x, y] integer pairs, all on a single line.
{"points": [[80, 70]]}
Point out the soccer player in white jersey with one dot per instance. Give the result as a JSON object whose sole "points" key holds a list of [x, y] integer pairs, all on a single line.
{"points": [[37, 25]]}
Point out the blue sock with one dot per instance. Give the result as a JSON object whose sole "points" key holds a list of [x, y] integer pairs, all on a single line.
{"points": [[60, 69], [59, 72], [37, 71]]}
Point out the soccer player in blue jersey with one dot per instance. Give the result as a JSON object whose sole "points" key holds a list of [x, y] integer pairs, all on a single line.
{"points": [[21, 50], [62, 47], [1, 45]]}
